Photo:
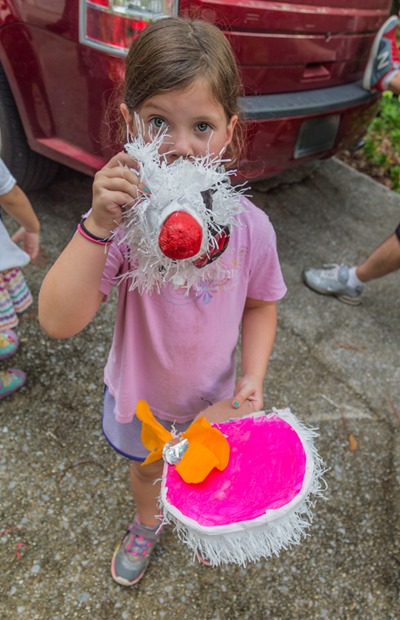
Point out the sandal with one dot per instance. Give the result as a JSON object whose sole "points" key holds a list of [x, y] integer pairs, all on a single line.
{"points": [[10, 381], [9, 342]]}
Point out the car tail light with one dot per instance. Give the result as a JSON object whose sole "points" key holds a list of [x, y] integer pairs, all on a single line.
{"points": [[111, 25]]}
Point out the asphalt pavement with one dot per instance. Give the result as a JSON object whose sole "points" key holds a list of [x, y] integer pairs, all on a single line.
{"points": [[64, 492]]}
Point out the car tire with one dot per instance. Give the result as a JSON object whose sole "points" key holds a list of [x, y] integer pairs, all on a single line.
{"points": [[32, 171]]}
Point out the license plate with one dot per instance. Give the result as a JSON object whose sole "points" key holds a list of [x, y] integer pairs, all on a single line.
{"points": [[316, 135]]}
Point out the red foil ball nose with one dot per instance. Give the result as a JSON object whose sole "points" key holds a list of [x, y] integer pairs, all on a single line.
{"points": [[180, 236]]}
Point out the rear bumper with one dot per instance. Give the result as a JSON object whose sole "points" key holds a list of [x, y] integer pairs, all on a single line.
{"points": [[275, 124], [306, 103]]}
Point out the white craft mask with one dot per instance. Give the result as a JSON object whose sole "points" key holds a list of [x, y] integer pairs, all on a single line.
{"points": [[176, 231]]}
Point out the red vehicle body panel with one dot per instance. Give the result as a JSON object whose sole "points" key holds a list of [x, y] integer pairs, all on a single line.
{"points": [[298, 61]]}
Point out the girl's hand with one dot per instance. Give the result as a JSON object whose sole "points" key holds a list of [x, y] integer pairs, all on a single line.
{"points": [[30, 241], [115, 186], [223, 411], [249, 388]]}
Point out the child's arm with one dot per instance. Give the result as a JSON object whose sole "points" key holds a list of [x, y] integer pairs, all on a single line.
{"points": [[258, 334], [223, 411], [70, 294], [17, 205]]}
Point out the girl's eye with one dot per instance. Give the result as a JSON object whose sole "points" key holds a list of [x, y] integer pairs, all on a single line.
{"points": [[203, 127], [158, 123]]}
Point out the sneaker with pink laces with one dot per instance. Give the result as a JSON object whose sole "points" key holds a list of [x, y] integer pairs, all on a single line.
{"points": [[384, 57], [132, 555]]}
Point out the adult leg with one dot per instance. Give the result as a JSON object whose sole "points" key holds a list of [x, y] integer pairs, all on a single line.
{"points": [[384, 259], [347, 283]]}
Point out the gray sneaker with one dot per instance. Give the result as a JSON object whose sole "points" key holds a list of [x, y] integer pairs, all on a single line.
{"points": [[333, 281], [132, 555]]}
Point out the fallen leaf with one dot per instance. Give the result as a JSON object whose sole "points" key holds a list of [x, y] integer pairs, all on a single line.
{"points": [[353, 443]]}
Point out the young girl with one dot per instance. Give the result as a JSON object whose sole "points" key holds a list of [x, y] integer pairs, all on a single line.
{"points": [[15, 296], [174, 349]]}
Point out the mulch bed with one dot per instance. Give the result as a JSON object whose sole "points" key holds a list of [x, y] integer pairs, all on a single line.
{"points": [[358, 161]]}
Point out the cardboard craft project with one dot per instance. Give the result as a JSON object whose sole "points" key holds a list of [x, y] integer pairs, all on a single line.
{"points": [[243, 494]]}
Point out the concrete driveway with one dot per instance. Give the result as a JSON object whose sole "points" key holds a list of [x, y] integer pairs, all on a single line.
{"points": [[64, 493]]}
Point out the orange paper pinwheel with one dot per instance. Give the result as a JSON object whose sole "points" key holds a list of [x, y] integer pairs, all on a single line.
{"points": [[208, 447]]}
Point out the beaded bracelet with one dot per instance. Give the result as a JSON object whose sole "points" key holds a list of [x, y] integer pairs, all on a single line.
{"points": [[90, 236]]}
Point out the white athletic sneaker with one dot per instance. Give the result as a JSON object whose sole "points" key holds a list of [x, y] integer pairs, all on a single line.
{"points": [[333, 281]]}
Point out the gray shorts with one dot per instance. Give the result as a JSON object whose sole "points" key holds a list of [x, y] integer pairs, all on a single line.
{"points": [[126, 438]]}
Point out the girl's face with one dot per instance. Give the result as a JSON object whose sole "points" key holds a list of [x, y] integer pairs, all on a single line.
{"points": [[196, 124]]}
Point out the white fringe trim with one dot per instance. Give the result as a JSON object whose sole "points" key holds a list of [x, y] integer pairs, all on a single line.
{"points": [[181, 183], [267, 535]]}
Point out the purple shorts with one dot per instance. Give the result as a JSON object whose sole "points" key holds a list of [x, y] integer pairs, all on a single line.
{"points": [[125, 438]]}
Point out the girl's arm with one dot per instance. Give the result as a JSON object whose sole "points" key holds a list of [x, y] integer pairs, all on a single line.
{"points": [[17, 205], [70, 294], [223, 411], [258, 334]]}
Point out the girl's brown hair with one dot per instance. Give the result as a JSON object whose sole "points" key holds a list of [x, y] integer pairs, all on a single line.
{"points": [[173, 52]]}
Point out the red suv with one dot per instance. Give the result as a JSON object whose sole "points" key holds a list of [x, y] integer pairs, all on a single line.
{"points": [[301, 64]]}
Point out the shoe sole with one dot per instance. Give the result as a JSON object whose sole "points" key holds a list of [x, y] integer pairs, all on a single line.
{"points": [[374, 50], [6, 356], [346, 299], [202, 560], [124, 582], [350, 301]]}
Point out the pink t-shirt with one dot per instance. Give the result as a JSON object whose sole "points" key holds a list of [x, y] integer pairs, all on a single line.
{"points": [[177, 350]]}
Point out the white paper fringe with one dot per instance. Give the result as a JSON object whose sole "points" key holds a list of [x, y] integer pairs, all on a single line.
{"points": [[181, 183], [268, 537]]}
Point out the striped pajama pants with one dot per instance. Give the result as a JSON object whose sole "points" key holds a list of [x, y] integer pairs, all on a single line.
{"points": [[15, 297]]}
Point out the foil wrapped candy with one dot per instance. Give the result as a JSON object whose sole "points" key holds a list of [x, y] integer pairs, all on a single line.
{"points": [[174, 450]]}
